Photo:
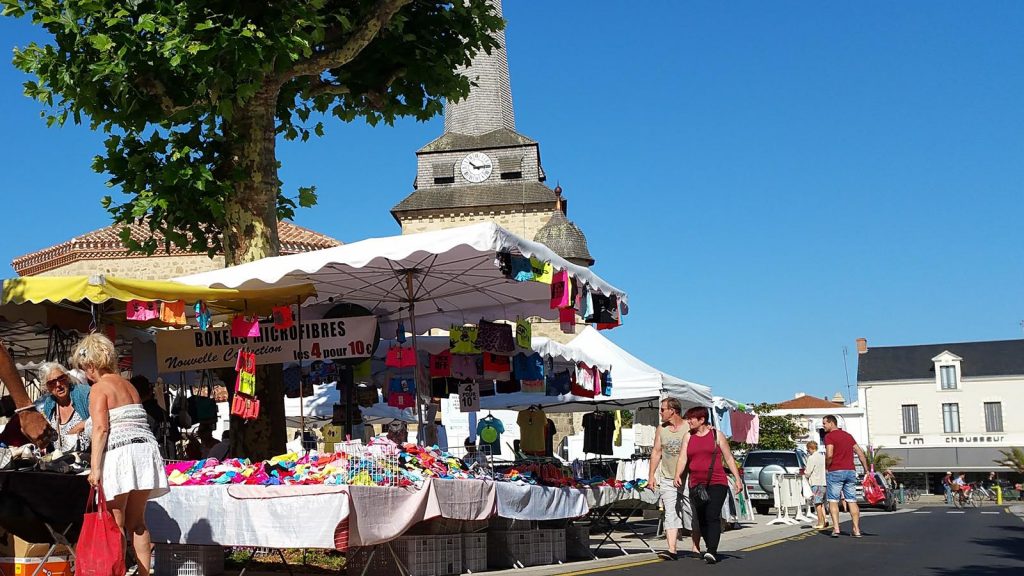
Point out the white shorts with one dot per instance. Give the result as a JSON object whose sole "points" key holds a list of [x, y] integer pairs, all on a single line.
{"points": [[676, 503]]}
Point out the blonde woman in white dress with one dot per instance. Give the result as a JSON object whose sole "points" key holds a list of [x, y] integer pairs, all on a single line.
{"points": [[125, 455]]}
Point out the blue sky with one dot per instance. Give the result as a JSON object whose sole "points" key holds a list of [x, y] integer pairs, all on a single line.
{"points": [[768, 180]]}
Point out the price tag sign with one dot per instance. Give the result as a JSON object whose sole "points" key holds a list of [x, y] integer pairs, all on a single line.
{"points": [[469, 397]]}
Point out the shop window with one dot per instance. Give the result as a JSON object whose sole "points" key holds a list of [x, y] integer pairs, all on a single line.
{"points": [[993, 416], [910, 425], [951, 418]]}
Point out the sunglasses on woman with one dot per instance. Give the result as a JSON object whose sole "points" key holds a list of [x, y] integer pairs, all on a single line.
{"points": [[62, 379]]}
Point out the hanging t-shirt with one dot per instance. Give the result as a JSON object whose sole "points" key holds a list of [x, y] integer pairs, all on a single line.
{"points": [[400, 357], [558, 384], [549, 438], [467, 367], [495, 337], [507, 386], [524, 334], [173, 312], [598, 428], [496, 367], [542, 271], [532, 386], [723, 420], [142, 311], [528, 367], [560, 289], [441, 364], [588, 381], [567, 320], [487, 388], [645, 422], [532, 424], [522, 271], [489, 430], [462, 340], [401, 393], [606, 383]]}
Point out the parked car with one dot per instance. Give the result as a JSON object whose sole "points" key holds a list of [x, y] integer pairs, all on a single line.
{"points": [[758, 468]]}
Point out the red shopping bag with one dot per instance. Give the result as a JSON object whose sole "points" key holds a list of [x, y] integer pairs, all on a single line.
{"points": [[100, 548], [873, 493]]}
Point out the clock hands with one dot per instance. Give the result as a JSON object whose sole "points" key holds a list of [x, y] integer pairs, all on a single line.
{"points": [[481, 167]]}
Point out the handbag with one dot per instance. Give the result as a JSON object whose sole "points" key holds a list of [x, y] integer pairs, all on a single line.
{"points": [[100, 549], [699, 493]]}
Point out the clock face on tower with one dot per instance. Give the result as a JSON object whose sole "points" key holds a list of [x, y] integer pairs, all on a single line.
{"points": [[476, 167]]}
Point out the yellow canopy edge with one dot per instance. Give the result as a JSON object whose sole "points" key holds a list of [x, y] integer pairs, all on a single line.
{"points": [[100, 289]]}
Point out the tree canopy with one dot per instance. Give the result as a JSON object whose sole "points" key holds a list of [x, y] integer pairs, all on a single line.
{"points": [[193, 94], [775, 432]]}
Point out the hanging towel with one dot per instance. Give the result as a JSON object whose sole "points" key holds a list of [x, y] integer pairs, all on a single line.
{"points": [[741, 426]]}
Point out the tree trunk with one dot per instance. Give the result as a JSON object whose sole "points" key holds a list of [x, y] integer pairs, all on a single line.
{"points": [[250, 233], [250, 227]]}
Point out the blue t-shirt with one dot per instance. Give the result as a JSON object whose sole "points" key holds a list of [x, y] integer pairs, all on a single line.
{"points": [[489, 430], [528, 367]]}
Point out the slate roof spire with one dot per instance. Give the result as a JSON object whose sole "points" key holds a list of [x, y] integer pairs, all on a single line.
{"points": [[489, 104]]}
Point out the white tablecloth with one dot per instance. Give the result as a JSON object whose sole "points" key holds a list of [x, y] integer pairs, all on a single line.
{"points": [[598, 496], [272, 517], [526, 502]]}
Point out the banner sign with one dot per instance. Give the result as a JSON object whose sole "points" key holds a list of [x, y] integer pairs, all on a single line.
{"points": [[331, 339]]}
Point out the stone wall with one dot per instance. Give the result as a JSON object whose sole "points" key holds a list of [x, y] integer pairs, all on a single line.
{"points": [[140, 267], [524, 224]]}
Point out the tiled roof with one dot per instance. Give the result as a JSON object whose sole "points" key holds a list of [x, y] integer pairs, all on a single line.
{"points": [[565, 238], [509, 193], [807, 402], [105, 243], [500, 138], [994, 358]]}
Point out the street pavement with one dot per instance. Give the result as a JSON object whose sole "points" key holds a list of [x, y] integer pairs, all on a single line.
{"points": [[929, 540]]}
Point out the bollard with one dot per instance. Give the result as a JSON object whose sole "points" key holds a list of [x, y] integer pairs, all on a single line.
{"points": [[902, 494], [999, 495]]}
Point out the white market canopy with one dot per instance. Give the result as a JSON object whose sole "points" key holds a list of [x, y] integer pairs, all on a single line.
{"points": [[634, 382], [450, 276]]}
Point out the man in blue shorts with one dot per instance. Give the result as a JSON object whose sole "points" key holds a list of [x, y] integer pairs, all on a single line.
{"points": [[841, 476]]}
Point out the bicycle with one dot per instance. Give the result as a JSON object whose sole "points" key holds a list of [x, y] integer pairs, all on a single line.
{"points": [[963, 497], [912, 494], [980, 493]]}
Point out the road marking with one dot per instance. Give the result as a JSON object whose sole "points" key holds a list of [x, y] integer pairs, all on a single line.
{"points": [[609, 568], [990, 512], [922, 512], [955, 512]]}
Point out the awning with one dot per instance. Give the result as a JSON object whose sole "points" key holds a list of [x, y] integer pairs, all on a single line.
{"points": [[941, 459], [101, 289]]}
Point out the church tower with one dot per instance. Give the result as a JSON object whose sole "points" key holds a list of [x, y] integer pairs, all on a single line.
{"points": [[482, 169]]}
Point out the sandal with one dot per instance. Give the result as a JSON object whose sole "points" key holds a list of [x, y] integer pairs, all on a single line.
{"points": [[857, 534], [835, 534]]}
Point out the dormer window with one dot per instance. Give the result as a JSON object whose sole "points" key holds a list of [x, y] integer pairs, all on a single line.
{"points": [[947, 371], [444, 172]]}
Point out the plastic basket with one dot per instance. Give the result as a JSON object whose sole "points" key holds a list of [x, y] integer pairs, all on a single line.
{"points": [[474, 552], [508, 549], [417, 553], [558, 555], [541, 552], [188, 560], [448, 554]]}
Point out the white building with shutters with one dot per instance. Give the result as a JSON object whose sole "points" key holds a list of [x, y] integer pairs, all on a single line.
{"points": [[943, 407]]}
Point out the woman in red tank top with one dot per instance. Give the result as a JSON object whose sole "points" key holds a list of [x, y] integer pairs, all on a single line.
{"points": [[703, 453]]}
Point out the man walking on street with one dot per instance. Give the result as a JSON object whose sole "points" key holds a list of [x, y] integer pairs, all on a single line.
{"points": [[947, 487], [841, 476]]}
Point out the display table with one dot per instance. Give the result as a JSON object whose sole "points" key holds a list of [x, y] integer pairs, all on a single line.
{"points": [[528, 502], [261, 516], [611, 509]]}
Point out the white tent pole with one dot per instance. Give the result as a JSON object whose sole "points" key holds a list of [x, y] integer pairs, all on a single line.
{"points": [[302, 401], [415, 350]]}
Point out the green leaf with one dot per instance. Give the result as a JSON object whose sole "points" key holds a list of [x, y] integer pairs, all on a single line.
{"points": [[101, 42], [307, 196]]}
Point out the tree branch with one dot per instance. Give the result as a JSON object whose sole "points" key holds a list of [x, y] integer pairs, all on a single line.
{"points": [[348, 51], [376, 97], [322, 87], [156, 89]]}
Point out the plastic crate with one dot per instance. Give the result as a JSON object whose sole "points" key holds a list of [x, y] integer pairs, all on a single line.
{"points": [[510, 524], [509, 549], [557, 545], [474, 552], [188, 560], [541, 552], [448, 554], [418, 554]]}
